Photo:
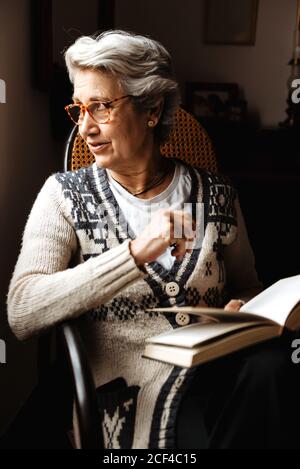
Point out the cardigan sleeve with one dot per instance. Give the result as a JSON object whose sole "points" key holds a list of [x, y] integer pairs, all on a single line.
{"points": [[242, 279], [44, 290]]}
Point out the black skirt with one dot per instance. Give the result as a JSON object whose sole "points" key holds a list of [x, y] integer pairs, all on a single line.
{"points": [[249, 399]]}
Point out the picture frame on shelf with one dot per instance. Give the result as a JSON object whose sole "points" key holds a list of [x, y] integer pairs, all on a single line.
{"points": [[208, 101]]}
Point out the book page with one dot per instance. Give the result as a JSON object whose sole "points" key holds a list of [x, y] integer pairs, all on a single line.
{"points": [[206, 313], [277, 301], [197, 333], [207, 351]]}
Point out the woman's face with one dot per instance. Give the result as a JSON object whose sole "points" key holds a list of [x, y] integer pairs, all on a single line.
{"points": [[125, 139]]}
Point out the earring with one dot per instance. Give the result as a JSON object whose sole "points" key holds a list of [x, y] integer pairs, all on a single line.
{"points": [[150, 123]]}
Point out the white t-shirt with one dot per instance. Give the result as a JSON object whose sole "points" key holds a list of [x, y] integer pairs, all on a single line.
{"points": [[137, 212]]}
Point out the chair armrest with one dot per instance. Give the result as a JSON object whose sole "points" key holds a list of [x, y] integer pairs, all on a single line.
{"points": [[89, 422]]}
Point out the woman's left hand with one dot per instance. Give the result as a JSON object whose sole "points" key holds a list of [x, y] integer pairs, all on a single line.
{"points": [[234, 305]]}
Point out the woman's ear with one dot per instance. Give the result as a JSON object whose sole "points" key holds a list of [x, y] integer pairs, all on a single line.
{"points": [[156, 111]]}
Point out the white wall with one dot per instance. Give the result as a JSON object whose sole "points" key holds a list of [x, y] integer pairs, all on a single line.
{"points": [[27, 157], [260, 70]]}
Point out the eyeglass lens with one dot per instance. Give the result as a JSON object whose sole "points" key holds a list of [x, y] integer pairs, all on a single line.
{"points": [[99, 113]]}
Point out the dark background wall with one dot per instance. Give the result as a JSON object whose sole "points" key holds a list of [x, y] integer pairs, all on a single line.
{"points": [[28, 154], [32, 138], [31, 149], [260, 70]]}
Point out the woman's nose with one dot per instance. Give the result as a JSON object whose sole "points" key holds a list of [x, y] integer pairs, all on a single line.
{"points": [[88, 125]]}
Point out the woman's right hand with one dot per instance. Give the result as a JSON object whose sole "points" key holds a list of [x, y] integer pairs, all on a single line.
{"points": [[166, 228]]}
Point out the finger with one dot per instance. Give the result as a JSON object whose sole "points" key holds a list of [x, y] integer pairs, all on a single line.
{"points": [[180, 248], [177, 224], [189, 226], [183, 225], [189, 244], [233, 305]]}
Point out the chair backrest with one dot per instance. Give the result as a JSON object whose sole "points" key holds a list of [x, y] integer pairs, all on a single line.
{"points": [[189, 142]]}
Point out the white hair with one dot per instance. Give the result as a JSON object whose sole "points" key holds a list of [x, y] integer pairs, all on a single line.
{"points": [[142, 66]]}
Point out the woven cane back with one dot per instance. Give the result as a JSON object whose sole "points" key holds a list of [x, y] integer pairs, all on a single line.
{"points": [[188, 142]]}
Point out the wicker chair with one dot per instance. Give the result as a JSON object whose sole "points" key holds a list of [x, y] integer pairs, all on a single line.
{"points": [[189, 142]]}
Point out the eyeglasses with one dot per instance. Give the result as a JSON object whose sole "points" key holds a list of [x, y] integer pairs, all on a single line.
{"points": [[98, 110]]}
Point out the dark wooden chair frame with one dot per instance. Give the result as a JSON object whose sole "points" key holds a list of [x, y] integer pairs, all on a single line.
{"points": [[84, 389]]}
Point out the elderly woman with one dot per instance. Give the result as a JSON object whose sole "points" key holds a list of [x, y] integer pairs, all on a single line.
{"points": [[107, 242]]}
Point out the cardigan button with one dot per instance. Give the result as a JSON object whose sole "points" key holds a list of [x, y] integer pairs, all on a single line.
{"points": [[172, 289], [182, 319]]}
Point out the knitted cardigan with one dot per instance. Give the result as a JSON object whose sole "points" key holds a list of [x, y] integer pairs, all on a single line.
{"points": [[75, 261]]}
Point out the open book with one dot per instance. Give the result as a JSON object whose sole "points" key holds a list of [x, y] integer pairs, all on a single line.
{"points": [[217, 332]]}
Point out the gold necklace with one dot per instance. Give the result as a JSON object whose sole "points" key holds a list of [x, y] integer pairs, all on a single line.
{"points": [[156, 181]]}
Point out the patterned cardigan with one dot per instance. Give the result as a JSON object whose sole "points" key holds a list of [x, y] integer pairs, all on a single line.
{"points": [[75, 261]]}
